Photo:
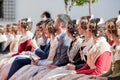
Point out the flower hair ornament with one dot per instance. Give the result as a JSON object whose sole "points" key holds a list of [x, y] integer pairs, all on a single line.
{"points": [[29, 20], [112, 24]]}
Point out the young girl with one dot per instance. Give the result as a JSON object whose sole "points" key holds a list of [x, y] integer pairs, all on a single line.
{"points": [[24, 42]]}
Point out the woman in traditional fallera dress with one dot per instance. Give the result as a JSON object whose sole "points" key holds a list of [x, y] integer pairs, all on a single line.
{"points": [[87, 42], [113, 27], [24, 45], [29, 70]]}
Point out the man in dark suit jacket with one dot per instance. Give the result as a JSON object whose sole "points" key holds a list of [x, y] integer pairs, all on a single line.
{"points": [[61, 57]]}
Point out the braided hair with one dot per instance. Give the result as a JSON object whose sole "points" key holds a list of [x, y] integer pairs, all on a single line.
{"points": [[72, 29], [111, 25], [96, 28], [50, 26]]}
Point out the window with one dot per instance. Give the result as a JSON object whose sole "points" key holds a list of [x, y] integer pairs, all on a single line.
{"points": [[7, 10], [1, 9]]}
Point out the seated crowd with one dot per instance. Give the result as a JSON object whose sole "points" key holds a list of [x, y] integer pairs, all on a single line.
{"points": [[61, 49]]}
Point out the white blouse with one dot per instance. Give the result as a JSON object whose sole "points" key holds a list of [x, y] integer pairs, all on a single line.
{"points": [[53, 47]]}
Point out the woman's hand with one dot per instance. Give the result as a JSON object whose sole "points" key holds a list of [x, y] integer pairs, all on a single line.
{"points": [[70, 67], [34, 62]]}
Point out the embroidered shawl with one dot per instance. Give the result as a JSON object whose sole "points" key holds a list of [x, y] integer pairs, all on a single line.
{"points": [[28, 36], [87, 45], [97, 49], [74, 49]]}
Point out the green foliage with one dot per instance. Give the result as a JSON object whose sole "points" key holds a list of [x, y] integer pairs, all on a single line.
{"points": [[70, 3], [80, 2]]}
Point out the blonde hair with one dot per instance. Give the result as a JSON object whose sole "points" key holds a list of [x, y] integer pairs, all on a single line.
{"points": [[51, 28]]}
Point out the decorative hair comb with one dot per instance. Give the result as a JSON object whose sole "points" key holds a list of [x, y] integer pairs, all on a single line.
{"points": [[29, 20]]}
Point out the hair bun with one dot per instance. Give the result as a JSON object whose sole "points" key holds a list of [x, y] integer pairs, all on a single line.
{"points": [[111, 25], [97, 27], [26, 23], [72, 28], [93, 23]]}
